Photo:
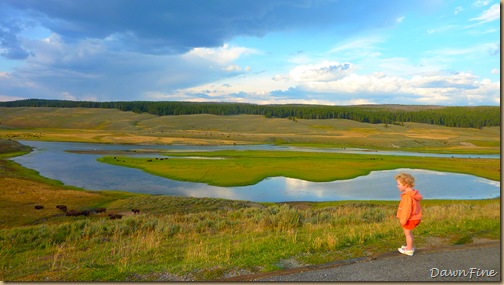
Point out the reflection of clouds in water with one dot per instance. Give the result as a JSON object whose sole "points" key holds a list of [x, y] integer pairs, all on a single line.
{"points": [[213, 192], [381, 185], [297, 188], [293, 183], [373, 186], [490, 182]]}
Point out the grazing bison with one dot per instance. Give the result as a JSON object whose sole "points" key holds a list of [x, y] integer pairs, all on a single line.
{"points": [[73, 213], [135, 211], [63, 208], [100, 210], [115, 216], [39, 207]]}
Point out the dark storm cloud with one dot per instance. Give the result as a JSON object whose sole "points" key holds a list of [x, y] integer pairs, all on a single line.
{"points": [[10, 46], [176, 26]]}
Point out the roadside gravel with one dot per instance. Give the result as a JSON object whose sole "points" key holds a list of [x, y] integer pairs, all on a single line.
{"points": [[473, 262]]}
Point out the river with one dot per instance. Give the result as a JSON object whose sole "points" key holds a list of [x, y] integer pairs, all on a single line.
{"points": [[53, 160]]}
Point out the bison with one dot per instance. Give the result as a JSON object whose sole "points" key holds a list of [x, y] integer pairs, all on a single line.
{"points": [[63, 208], [135, 211], [115, 216], [100, 210], [39, 207], [73, 213]]}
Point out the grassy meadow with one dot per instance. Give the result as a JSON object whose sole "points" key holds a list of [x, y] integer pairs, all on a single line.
{"points": [[205, 239], [114, 126], [239, 168]]}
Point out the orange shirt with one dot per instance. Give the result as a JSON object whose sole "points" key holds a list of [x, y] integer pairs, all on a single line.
{"points": [[409, 207]]}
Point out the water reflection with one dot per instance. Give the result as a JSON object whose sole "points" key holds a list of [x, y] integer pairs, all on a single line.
{"points": [[52, 160]]}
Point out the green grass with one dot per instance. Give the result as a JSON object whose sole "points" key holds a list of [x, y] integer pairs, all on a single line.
{"points": [[236, 168], [210, 244]]}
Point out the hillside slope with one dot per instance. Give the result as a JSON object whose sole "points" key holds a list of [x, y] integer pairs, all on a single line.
{"points": [[115, 126]]}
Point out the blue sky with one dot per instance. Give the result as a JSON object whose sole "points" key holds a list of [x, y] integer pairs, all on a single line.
{"points": [[335, 52]]}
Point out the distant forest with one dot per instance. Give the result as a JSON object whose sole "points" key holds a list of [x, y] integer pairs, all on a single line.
{"points": [[460, 116]]}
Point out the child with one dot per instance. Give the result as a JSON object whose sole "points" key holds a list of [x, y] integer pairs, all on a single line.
{"points": [[409, 211]]}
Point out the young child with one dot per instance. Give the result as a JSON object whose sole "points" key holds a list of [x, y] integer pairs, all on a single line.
{"points": [[409, 211]]}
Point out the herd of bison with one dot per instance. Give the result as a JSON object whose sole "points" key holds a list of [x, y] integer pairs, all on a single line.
{"points": [[75, 213]]}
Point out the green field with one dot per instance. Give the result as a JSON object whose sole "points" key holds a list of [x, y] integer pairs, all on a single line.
{"points": [[205, 239], [238, 168]]}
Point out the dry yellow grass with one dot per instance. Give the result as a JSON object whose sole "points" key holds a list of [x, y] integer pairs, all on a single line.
{"points": [[114, 126], [18, 198]]}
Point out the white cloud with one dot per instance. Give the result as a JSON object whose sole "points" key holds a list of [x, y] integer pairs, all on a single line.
{"points": [[88, 69], [492, 14], [95, 56], [324, 71], [280, 77], [358, 46], [232, 68], [428, 88], [481, 3], [355, 83], [458, 10], [236, 68], [495, 71], [221, 55], [433, 88], [360, 102], [5, 98], [68, 96]]}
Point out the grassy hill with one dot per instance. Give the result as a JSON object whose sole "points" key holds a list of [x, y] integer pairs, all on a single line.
{"points": [[451, 116], [114, 126]]}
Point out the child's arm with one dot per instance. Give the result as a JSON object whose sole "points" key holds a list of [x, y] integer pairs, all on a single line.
{"points": [[406, 207]]}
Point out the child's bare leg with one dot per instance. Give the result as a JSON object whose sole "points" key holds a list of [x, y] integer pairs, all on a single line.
{"points": [[409, 239]]}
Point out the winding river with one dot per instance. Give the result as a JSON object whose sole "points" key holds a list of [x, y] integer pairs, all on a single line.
{"points": [[52, 160]]}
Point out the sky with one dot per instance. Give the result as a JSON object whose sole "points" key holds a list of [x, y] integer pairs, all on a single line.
{"points": [[331, 52]]}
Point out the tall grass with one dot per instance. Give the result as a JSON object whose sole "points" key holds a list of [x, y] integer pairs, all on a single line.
{"points": [[208, 245]]}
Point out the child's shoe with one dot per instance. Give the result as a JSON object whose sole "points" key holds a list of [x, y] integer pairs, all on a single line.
{"points": [[403, 250], [404, 247]]}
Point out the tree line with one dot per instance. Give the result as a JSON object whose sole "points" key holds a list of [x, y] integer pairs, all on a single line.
{"points": [[456, 116]]}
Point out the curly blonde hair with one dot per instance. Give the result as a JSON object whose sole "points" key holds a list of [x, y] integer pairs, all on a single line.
{"points": [[406, 179]]}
